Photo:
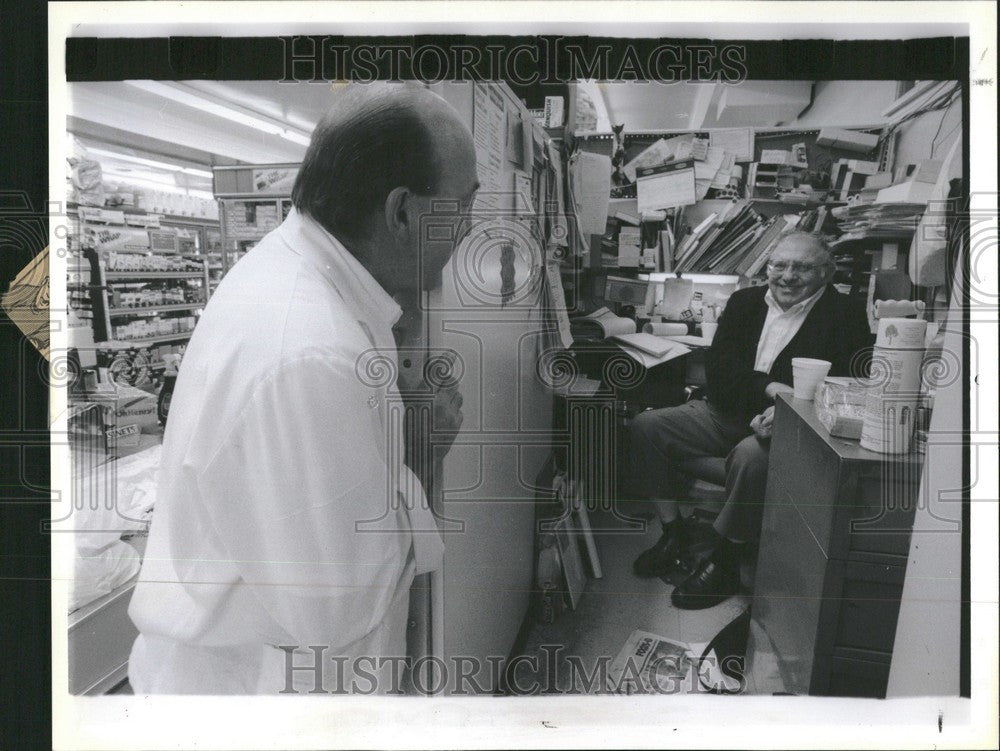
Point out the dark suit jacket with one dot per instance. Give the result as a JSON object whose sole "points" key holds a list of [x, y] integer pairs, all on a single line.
{"points": [[835, 329]]}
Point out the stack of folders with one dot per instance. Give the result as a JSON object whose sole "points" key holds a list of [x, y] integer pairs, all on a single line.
{"points": [[879, 219], [719, 244]]}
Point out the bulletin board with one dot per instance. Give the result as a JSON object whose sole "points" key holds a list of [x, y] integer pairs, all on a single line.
{"points": [[492, 311]]}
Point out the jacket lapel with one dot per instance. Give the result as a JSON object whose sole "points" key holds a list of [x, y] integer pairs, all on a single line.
{"points": [[755, 322]]}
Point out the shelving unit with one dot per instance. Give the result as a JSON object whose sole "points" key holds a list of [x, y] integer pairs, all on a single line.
{"points": [[253, 200], [110, 298], [127, 311], [157, 339], [820, 158], [138, 275]]}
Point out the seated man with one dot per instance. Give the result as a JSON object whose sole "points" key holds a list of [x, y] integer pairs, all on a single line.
{"points": [[798, 314]]}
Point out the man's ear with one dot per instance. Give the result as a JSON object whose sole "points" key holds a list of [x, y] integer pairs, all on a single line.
{"points": [[397, 211]]}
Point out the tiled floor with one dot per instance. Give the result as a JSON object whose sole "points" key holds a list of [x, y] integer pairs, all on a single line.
{"points": [[614, 606], [609, 610]]}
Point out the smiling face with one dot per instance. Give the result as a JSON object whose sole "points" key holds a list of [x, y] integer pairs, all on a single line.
{"points": [[797, 268]]}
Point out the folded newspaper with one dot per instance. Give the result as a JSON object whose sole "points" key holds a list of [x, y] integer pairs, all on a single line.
{"points": [[650, 664]]}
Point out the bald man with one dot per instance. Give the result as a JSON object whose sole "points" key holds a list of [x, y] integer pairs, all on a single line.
{"points": [[797, 314], [287, 530]]}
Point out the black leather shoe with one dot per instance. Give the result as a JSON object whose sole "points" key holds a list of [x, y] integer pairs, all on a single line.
{"points": [[661, 559], [711, 583]]}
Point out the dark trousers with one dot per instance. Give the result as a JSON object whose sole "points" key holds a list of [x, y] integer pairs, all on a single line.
{"points": [[661, 439]]}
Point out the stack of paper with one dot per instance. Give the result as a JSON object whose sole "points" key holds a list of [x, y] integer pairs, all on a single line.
{"points": [[600, 324], [649, 350], [878, 219]]}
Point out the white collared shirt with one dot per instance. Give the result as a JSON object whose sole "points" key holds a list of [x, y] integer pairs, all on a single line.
{"points": [[780, 327], [277, 519]]}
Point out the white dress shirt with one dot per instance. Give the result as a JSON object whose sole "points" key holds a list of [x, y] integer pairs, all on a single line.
{"points": [[780, 327], [277, 519]]}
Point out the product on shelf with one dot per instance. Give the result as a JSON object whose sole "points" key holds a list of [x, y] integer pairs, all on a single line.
{"points": [[136, 262]]}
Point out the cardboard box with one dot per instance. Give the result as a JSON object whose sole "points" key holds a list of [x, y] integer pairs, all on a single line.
{"points": [[775, 156], [851, 140], [862, 167], [908, 192], [112, 418], [879, 180], [926, 171], [135, 407]]}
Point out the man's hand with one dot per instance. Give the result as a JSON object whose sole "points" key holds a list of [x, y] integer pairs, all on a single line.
{"points": [[775, 387], [447, 414], [763, 423]]}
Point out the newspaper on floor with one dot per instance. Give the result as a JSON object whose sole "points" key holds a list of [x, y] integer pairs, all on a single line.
{"points": [[651, 664]]}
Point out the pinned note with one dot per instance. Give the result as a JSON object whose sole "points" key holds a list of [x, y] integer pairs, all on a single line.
{"points": [[666, 186]]}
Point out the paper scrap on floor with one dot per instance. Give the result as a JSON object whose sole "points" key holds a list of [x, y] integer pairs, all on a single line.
{"points": [[651, 664]]}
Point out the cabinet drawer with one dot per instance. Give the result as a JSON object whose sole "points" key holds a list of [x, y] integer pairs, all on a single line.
{"points": [[855, 677], [865, 599], [881, 519]]}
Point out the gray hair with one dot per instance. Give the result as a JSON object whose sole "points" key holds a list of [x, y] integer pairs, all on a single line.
{"points": [[371, 141]]}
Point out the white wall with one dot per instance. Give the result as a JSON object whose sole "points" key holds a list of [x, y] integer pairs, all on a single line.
{"points": [[844, 103], [927, 649], [929, 136]]}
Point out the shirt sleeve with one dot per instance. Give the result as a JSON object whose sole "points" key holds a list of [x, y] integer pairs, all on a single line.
{"points": [[288, 494]]}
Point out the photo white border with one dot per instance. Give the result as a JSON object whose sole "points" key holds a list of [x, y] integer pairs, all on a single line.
{"points": [[559, 722]]}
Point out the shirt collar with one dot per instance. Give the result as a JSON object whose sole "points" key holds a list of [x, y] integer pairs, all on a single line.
{"points": [[338, 265], [803, 305]]}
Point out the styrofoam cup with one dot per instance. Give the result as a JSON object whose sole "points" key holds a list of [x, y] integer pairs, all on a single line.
{"points": [[807, 375]]}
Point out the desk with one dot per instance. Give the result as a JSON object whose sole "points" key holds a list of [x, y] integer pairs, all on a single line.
{"points": [[834, 544], [629, 381], [593, 427]]}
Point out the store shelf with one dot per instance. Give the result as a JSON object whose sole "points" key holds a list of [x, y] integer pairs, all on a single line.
{"points": [[155, 308], [201, 221], [154, 339], [125, 275]]}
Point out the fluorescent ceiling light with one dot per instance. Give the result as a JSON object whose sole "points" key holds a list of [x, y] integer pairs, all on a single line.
{"points": [[147, 175], [149, 162], [230, 112], [145, 182]]}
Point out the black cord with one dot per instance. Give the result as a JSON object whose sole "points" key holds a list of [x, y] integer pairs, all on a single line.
{"points": [[943, 101], [944, 115]]}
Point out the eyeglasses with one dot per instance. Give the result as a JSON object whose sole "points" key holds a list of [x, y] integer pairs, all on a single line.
{"points": [[780, 267]]}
